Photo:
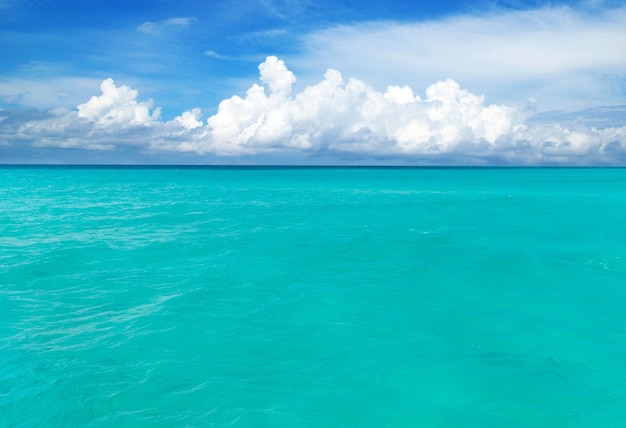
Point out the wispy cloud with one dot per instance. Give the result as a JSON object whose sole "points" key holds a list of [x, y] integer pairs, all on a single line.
{"points": [[156, 27], [43, 92], [543, 53], [213, 54], [272, 33], [8, 4], [283, 9]]}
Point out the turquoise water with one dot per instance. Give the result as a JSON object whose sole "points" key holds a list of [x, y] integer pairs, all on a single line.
{"points": [[312, 297]]}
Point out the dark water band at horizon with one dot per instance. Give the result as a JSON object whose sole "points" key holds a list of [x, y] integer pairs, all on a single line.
{"points": [[310, 297], [279, 166]]}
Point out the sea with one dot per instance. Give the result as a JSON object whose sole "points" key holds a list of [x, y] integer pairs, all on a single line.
{"points": [[312, 297]]}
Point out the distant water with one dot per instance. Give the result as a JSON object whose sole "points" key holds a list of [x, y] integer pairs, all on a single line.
{"points": [[313, 297]]}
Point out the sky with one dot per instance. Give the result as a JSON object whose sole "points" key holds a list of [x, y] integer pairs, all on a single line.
{"points": [[342, 82]]}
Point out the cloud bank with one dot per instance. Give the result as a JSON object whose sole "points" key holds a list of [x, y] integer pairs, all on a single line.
{"points": [[336, 117]]}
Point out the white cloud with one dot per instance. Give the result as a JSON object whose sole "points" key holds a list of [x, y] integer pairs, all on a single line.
{"points": [[213, 54], [190, 119], [47, 92], [117, 106], [351, 116], [333, 117], [284, 8], [276, 76], [59, 128], [510, 56], [149, 27]]}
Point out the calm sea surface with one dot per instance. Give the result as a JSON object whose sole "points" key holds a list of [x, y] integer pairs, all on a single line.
{"points": [[312, 297]]}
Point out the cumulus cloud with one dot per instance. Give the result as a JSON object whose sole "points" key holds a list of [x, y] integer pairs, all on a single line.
{"points": [[336, 116], [351, 116], [190, 119], [118, 106]]}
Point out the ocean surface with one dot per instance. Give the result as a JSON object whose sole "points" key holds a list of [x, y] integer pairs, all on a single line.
{"points": [[312, 297]]}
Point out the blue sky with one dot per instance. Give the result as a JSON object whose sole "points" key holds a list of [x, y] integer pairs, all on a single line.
{"points": [[341, 82]]}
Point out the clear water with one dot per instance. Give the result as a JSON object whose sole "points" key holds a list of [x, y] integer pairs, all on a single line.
{"points": [[286, 297]]}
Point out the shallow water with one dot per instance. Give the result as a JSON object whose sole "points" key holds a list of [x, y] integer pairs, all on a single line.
{"points": [[308, 297]]}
